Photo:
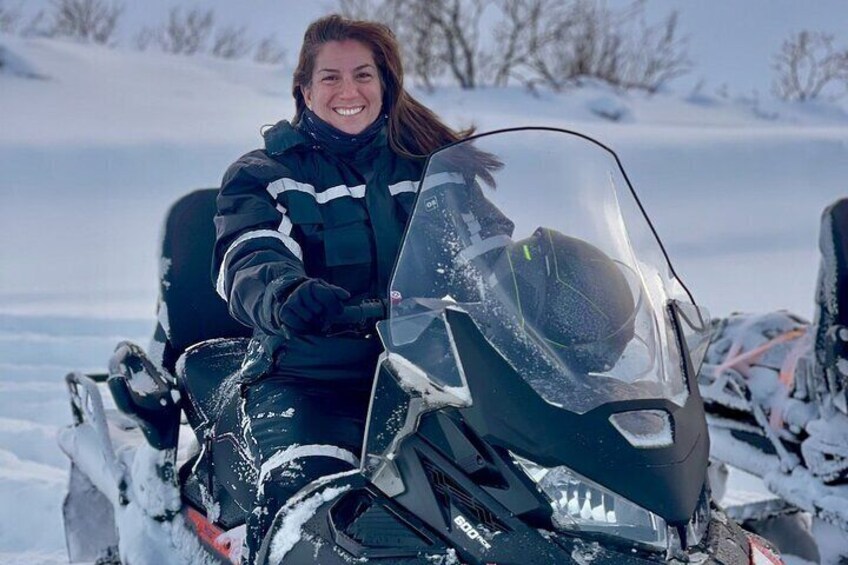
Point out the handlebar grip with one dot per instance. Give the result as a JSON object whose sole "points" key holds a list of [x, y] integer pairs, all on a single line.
{"points": [[366, 311]]}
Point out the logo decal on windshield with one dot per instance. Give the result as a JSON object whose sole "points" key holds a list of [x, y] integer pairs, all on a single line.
{"points": [[431, 204]]}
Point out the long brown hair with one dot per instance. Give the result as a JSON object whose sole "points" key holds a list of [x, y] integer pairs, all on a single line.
{"points": [[413, 129]]}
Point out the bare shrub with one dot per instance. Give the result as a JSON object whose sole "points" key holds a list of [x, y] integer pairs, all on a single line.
{"points": [[186, 35], [525, 36], [456, 26], [437, 36], [145, 38], [808, 65], [268, 51], [556, 43], [423, 50], [85, 20], [182, 34], [575, 45], [591, 41], [230, 42], [10, 17], [658, 56], [193, 32]]}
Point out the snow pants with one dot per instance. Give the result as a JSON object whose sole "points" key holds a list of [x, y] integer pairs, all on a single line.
{"points": [[298, 430]]}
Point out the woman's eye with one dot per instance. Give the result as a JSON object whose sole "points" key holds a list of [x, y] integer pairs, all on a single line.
{"points": [[329, 79], [364, 76]]}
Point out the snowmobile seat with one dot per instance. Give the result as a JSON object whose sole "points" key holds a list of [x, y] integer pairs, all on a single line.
{"points": [[208, 374], [191, 316], [202, 344], [190, 310]]}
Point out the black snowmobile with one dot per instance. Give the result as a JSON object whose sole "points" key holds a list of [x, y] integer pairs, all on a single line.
{"points": [[536, 401]]}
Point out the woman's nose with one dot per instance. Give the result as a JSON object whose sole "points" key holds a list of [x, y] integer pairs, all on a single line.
{"points": [[348, 87]]}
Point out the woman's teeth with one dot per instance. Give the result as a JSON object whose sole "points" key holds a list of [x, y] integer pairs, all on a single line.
{"points": [[349, 111]]}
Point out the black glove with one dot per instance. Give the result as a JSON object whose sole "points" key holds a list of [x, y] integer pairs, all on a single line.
{"points": [[312, 304]]}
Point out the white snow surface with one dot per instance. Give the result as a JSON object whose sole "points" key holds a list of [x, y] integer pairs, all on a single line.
{"points": [[95, 144]]}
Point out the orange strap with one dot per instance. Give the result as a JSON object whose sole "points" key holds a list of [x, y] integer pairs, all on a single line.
{"points": [[742, 361]]}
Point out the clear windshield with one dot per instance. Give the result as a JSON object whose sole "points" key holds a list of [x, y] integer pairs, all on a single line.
{"points": [[555, 262]]}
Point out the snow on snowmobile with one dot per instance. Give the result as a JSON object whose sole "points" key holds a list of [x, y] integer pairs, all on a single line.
{"points": [[775, 389], [536, 401]]}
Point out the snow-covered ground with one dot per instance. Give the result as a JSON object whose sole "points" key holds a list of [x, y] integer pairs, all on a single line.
{"points": [[96, 143]]}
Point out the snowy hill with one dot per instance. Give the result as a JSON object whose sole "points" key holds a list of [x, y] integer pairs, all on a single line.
{"points": [[96, 143], [107, 139]]}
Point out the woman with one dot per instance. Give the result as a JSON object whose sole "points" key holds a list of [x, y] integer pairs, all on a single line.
{"points": [[309, 223]]}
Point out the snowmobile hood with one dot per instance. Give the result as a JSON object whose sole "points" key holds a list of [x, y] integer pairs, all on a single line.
{"points": [[542, 303], [666, 479]]}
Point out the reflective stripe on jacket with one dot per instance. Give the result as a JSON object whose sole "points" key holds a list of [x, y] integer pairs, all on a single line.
{"points": [[294, 210]]}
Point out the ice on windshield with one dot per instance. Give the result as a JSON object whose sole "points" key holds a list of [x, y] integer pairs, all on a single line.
{"points": [[537, 235]]}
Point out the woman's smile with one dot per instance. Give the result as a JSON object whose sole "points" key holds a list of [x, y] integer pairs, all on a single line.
{"points": [[345, 91]]}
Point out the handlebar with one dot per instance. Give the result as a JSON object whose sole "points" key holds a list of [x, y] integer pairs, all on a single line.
{"points": [[367, 311]]}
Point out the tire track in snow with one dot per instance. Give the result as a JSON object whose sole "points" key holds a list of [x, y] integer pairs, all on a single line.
{"points": [[31, 349], [34, 558], [36, 352], [40, 490], [66, 326], [13, 468], [31, 441]]}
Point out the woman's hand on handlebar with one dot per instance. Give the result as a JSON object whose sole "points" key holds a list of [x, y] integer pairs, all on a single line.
{"points": [[312, 305]]}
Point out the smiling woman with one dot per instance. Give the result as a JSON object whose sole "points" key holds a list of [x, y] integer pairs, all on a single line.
{"points": [[306, 225]]}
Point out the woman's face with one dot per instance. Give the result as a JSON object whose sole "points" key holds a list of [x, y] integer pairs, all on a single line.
{"points": [[345, 91]]}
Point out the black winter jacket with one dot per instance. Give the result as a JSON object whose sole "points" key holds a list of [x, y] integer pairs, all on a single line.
{"points": [[294, 210]]}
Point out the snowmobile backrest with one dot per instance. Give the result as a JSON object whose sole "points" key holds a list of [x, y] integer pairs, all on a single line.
{"points": [[191, 310]]}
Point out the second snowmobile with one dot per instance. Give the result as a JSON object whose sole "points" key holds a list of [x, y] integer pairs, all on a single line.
{"points": [[775, 389], [536, 401]]}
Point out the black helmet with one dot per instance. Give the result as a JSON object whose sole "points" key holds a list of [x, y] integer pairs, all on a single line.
{"points": [[574, 295]]}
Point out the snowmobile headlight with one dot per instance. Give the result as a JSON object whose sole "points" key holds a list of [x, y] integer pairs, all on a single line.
{"points": [[581, 505]]}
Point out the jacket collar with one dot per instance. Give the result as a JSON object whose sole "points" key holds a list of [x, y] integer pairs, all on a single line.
{"points": [[282, 137]]}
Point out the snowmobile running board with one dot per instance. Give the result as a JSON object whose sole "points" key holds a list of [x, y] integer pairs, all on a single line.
{"points": [[797, 486], [745, 506]]}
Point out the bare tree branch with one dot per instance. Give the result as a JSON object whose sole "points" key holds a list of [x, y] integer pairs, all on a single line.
{"points": [[145, 38], [231, 43], [807, 65], [85, 20], [10, 17], [555, 43], [181, 34], [269, 51], [457, 23]]}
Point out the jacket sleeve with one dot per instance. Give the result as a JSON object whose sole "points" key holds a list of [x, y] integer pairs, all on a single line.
{"points": [[257, 262], [473, 221], [493, 222]]}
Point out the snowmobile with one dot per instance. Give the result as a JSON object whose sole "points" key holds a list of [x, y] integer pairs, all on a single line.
{"points": [[536, 400], [775, 388]]}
